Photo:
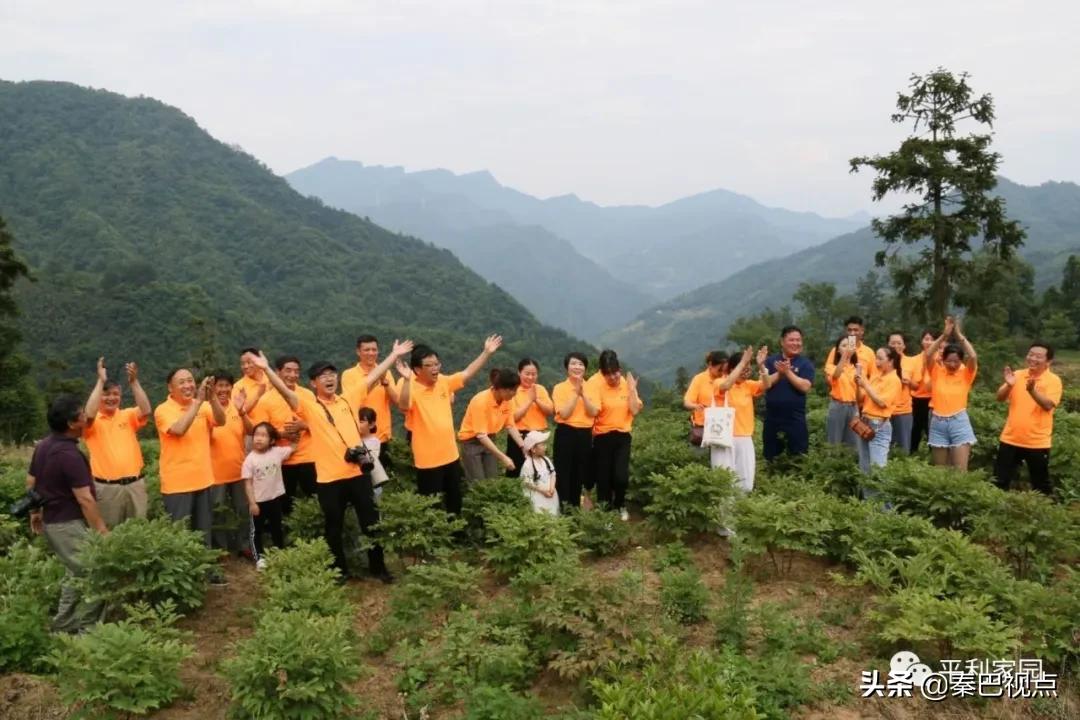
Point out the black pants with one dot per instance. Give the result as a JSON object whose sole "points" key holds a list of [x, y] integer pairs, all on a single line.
{"points": [[269, 518], [611, 465], [920, 422], [573, 457], [299, 482], [514, 453], [444, 480], [1008, 461], [796, 436], [334, 498]]}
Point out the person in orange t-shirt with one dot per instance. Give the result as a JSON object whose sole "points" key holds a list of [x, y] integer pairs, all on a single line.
{"points": [[111, 436], [1033, 394], [920, 393], [298, 470], [363, 386], [489, 413], [228, 448], [183, 423], [739, 392], [841, 367], [877, 399], [532, 407], [618, 404], [911, 371], [700, 393], [574, 413], [254, 385], [425, 399], [951, 434]]}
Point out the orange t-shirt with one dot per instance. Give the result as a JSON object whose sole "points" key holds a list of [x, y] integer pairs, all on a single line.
{"points": [[354, 389], [920, 375], [250, 387], [184, 465], [842, 389], [485, 416], [887, 387], [911, 368], [329, 440], [950, 392], [534, 418], [702, 391], [863, 355], [227, 451], [741, 397], [1028, 425], [277, 412], [614, 415], [561, 394], [431, 421], [114, 444]]}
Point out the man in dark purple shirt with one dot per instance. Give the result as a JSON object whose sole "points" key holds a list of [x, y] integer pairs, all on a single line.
{"points": [[60, 474]]}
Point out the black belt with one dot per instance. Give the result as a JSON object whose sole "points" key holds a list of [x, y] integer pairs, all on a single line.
{"points": [[118, 481]]}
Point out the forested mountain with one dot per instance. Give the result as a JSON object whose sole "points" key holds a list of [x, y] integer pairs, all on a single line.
{"points": [[636, 254], [150, 240], [680, 331]]}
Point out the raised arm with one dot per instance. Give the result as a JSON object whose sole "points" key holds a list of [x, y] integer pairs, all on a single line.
{"points": [[730, 379], [935, 347], [142, 402], [635, 401], [493, 343], [94, 401], [405, 396], [1009, 378], [837, 370], [378, 373], [290, 397], [183, 423], [767, 380], [240, 403], [970, 359], [1041, 400]]}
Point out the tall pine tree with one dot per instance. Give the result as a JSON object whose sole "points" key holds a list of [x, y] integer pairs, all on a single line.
{"points": [[20, 403]]}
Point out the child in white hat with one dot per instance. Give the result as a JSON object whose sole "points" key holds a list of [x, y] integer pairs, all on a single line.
{"points": [[538, 474]]}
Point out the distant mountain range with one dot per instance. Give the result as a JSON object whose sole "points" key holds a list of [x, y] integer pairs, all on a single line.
{"points": [[575, 264], [680, 331]]}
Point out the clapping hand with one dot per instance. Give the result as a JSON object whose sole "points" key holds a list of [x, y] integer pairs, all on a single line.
{"points": [[783, 366], [102, 373], [493, 343], [631, 382], [132, 370], [260, 361], [950, 326], [1030, 384], [239, 400], [762, 354], [1009, 375], [402, 348], [404, 370], [206, 388]]}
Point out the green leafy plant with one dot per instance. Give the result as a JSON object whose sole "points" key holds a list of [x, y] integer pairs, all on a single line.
{"points": [[29, 588], [600, 531], [688, 499], [1032, 531], [130, 667], [517, 539], [415, 526], [1049, 619], [940, 627], [683, 596], [489, 497], [486, 702], [672, 555], [947, 498], [295, 666], [301, 578], [733, 606], [306, 522], [781, 528], [147, 561]]}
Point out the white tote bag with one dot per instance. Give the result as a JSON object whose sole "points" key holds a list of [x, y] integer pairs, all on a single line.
{"points": [[719, 425]]}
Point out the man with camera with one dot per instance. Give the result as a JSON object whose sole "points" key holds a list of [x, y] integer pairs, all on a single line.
{"points": [[60, 498], [112, 437], [342, 462]]}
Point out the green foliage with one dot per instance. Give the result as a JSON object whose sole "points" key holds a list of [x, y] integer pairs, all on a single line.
{"points": [[147, 561], [948, 498], [29, 588], [733, 607], [131, 667], [488, 497], [302, 578], [659, 445], [689, 498], [683, 596], [486, 702], [415, 525], [1049, 619], [942, 627], [672, 555], [600, 531], [518, 539], [781, 528], [1032, 531], [20, 403], [306, 521], [295, 666]]}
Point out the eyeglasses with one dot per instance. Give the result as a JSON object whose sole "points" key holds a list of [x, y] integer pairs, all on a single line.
{"points": [[431, 365]]}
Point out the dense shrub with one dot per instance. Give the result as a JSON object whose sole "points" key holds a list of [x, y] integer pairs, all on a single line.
{"points": [[489, 497], [29, 588], [659, 444], [1049, 619], [672, 555], [683, 596], [948, 498], [486, 702], [689, 499], [600, 531], [295, 666], [301, 579], [415, 526], [306, 521], [517, 539], [1031, 530], [130, 667], [147, 561], [781, 528], [943, 627]]}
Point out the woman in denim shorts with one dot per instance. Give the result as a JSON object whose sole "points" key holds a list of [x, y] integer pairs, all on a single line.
{"points": [[951, 435]]}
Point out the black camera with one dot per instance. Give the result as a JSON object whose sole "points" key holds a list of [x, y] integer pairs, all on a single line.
{"points": [[360, 455], [27, 504]]}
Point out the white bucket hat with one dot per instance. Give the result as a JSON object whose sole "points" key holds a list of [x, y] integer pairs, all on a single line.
{"points": [[534, 437]]}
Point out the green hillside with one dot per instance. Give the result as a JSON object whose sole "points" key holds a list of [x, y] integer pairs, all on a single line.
{"points": [[680, 331], [150, 240]]}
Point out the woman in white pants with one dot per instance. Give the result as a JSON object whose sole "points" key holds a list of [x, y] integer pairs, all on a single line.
{"points": [[739, 392]]}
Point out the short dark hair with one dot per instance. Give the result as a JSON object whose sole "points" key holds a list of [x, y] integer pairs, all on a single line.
{"points": [[856, 320], [63, 411], [716, 357], [901, 333], [732, 362], [368, 415], [925, 332], [1045, 346], [788, 329], [285, 360], [252, 350], [172, 374], [505, 379], [953, 349], [366, 339], [109, 385], [270, 430], [419, 354], [526, 362], [219, 375], [609, 362], [575, 356]]}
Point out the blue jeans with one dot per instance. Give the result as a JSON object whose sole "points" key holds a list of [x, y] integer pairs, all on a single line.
{"points": [[901, 430], [875, 451]]}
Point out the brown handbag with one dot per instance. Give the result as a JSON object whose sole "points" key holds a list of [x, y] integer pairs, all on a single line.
{"points": [[862, 428], [696, 434]]}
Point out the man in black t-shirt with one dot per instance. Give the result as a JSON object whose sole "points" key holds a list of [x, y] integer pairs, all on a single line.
{"points": [[60, 474]]}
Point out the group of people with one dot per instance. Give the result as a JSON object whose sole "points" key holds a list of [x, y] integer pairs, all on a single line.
{"points": [[878, 400]]}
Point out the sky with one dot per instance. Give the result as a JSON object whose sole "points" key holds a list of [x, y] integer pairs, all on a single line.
{"points": [[618, 102]]}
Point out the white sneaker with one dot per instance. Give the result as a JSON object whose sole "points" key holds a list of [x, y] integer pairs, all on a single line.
{"points": [[260, 564], [623, 515], [725, 532]]}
